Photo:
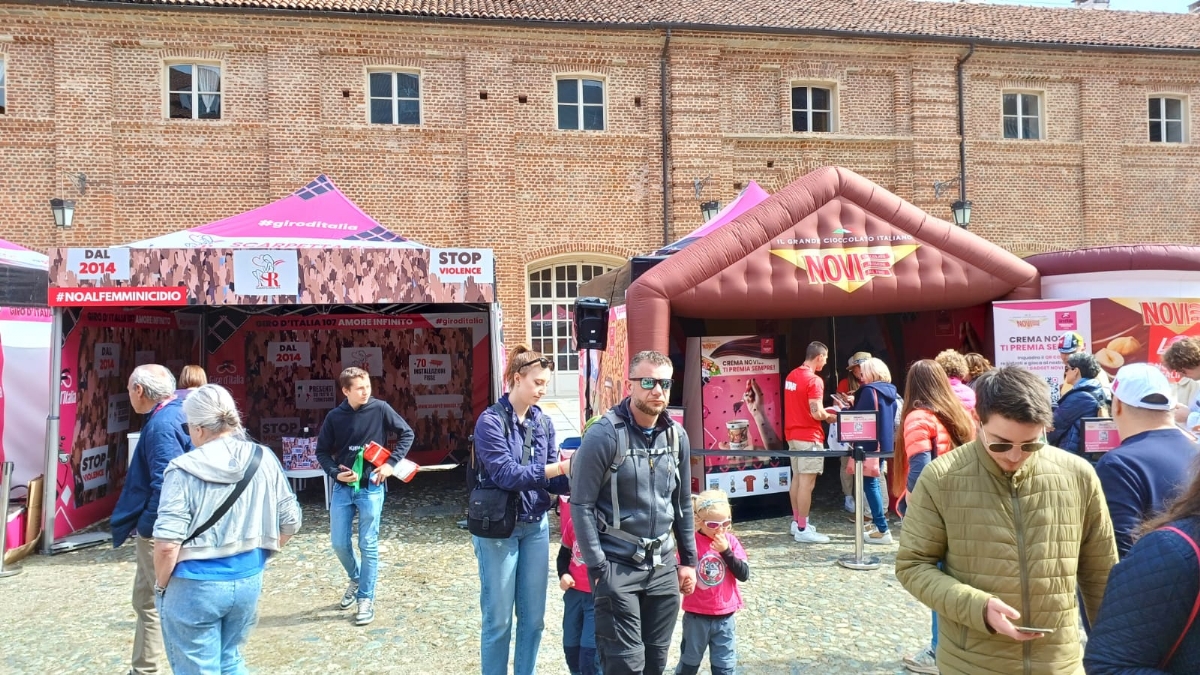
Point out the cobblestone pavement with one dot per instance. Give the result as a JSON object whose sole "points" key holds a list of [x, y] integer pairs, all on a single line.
{"points": [[804, 614]]}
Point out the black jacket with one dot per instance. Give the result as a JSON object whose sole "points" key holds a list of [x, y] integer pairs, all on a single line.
{"points": [[654, 498], [345, 431]]}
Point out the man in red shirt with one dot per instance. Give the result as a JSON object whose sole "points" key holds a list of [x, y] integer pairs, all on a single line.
{"points": [[803, 413]]}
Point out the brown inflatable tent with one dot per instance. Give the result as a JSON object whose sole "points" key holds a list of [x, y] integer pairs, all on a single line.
{"points": [[830, 244]]}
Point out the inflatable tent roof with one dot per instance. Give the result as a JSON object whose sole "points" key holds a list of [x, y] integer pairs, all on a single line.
{"points": [[830, 244], [1125, 271], [23, 276]]}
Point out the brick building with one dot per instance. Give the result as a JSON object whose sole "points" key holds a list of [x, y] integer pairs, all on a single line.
{"points": [[537, 128]]}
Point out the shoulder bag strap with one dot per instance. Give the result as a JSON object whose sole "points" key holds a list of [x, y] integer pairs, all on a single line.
{"points": [[238, 489], [1195, 605]]}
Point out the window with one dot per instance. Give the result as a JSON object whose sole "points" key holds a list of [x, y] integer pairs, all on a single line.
{"points": [[1022, 116], [581, 104], [395, 97], [1166, 120], [552, 293], [3, 86], [194, 91], [812, 109]]}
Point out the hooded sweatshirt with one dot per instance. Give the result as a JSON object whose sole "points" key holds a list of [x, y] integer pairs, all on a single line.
{"points": [[197, 483], [885, 394], [347, 431]]}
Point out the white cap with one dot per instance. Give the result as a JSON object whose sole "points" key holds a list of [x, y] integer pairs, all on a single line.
{"points": [[1142, 385]]}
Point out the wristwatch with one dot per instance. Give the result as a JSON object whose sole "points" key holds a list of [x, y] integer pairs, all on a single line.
{"points": [[159, 591]]}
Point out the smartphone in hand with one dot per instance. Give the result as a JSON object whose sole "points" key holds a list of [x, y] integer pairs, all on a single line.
{"points": [[1033, 631]]}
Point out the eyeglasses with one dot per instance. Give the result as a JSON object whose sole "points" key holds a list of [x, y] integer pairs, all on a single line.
{"points": [[545, 362], [1000, 448], [717, 524], [648, 383]]}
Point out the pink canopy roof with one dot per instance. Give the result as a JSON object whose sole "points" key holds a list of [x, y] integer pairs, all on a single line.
{"points": [[317, 214], [14, 254], [748, 199]]}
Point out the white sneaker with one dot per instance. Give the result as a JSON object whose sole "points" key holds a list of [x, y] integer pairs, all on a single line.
{"points": [[848, 504], [809, 535], [794, 529], [877, 537], [924, 662]]}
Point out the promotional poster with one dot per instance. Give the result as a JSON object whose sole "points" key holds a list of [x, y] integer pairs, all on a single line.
{"points": [[99, 352], [24, 389], [1028, 333], [735, 383], [433, 369]]}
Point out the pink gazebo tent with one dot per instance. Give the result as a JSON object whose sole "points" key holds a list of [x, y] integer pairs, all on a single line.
{"points": [[318, 214]]}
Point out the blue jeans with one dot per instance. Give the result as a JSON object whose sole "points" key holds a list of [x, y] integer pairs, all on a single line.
{"points": [[873, 491], [205, 623], [512, 574], [579, 619], [933, 643], [368, 502], [708, 633]]}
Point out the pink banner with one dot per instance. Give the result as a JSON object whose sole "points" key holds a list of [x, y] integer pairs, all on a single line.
{"points": [[101, 350]]}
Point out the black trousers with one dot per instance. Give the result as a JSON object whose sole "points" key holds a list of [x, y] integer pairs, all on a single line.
{"points": [[635, 616]]}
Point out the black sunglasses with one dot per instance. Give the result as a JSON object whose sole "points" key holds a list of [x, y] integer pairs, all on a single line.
{"points": [[1000, 448], [545, 362], [648, 383]]}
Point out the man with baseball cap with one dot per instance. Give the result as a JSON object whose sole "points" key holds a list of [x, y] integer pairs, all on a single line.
{"points": [[1072, 343], [1154, 460], [847, 387]]}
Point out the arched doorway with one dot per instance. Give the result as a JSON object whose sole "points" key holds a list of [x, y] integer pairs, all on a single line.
{"points": [[553, 287]]}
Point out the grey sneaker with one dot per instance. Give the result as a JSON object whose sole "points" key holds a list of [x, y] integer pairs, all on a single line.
{"points": [[366, 612], [349, 596], [924, 662]]}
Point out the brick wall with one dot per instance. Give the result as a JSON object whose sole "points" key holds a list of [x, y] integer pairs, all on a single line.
{"points": [[85, 94]]}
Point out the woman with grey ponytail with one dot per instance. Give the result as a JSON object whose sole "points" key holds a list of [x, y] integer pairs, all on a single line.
{"points": [[226, 506]]}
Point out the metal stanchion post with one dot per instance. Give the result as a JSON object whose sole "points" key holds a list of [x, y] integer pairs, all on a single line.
{"points": [[5, 486], [857, 561]]}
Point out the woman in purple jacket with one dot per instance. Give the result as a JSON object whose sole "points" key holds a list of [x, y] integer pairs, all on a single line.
{"points": [[513, 570]]}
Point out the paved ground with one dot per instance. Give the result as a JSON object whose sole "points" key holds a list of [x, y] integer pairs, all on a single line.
{"points": [[804, 614]]}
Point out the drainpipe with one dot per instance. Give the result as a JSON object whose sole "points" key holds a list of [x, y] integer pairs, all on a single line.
{"points": [[962, 131], [666, 143]]}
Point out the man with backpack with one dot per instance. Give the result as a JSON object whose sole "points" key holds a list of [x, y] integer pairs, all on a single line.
{"points": [[630, 491]]}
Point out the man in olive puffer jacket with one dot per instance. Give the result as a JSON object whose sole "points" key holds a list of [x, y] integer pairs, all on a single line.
{"points": [[1015, 524]]}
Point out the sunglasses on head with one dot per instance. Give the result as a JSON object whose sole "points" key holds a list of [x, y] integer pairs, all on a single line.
{"points": [[1000, 448], [717, 524], [545, 362], [648, 383]]}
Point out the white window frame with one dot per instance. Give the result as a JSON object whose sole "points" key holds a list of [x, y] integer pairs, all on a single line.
{"points": [[1163, 119], [395, 97], [195, 91], [831, 87], [579, 104], [1020, 117], [3, 84]]}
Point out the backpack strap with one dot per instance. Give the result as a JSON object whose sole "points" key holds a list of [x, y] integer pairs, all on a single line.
{"points": [[644, 546], [1195, 605], [506, 424]]}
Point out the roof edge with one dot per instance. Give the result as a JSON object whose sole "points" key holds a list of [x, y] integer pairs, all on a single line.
{"points": [[632, 26]]}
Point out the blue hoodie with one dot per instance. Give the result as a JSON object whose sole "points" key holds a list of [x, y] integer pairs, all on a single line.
{"points": [[162, 440], [865, 399]]}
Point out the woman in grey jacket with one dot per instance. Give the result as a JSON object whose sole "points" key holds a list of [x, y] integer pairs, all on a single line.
{"points": [[207, 581]]}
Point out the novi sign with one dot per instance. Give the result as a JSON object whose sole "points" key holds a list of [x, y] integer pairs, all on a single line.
{"points": [[847, 268]]}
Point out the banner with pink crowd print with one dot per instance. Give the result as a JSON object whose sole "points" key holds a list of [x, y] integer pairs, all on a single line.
{"points": [[734, 382]]}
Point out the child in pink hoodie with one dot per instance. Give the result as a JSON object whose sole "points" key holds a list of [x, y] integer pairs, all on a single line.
{"points": [[579, 624], [708, 622]]}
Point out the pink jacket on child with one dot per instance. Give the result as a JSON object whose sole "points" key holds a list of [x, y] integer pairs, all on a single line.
{"points": [[716, 588]]}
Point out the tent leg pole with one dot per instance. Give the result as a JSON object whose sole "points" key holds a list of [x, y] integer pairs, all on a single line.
{"points": [[50, 480]]}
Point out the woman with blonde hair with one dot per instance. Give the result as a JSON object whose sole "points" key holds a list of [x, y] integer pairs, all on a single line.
{"points": [[877, 394]]}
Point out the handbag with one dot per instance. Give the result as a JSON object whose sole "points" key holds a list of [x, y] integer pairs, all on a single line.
{"points": [[1162, 665], [492, 510], [238, 489]]}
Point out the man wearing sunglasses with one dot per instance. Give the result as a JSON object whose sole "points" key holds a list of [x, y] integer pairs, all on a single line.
{"points": [[999, 533], [630, 492]]}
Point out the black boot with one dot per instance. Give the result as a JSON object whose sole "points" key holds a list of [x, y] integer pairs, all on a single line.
{"points": [[587, 661], [573, 654]]}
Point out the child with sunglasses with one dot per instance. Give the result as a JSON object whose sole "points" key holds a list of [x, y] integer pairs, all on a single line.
{"points": [[708, 622]]}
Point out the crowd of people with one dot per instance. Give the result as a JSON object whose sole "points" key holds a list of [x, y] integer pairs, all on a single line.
{"points": [[1031, 557]]}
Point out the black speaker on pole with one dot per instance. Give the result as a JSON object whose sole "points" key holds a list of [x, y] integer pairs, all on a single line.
{"points": [[591, 323]]}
